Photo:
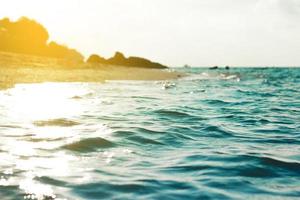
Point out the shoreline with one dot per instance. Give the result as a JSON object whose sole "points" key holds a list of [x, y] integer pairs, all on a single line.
{"points": [[22, 69]]}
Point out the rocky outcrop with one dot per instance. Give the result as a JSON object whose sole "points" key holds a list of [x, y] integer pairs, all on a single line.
{"points": [[120, 59], [96, 59], [117, 59], [214, 67], [137, 61], [26, 36]]}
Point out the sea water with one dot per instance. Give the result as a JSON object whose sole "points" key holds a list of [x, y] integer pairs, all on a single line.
{"points": [[213, 134]]}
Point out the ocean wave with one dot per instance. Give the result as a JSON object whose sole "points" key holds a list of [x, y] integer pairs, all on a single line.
{"points": [[145, 130], [210, 137], [212, 76], [56, 122], [142, 140], [264, 166], [144, 188], [89, 145], [217, 131], [172, 113]]}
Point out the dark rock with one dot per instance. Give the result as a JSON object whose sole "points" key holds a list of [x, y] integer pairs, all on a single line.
{"points": [[96, 59], [120, 59], [142, 62], [214, 67]]}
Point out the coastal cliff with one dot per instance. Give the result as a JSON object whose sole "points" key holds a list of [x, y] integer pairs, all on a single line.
{"points": [[26, 36]]}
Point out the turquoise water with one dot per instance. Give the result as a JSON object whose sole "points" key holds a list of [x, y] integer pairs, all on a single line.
{"points": [[220, 134]]}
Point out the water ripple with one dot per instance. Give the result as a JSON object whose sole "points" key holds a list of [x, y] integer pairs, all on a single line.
{"points": [[88, 145]]}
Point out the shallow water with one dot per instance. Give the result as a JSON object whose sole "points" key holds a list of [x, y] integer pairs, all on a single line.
{"points": [[220, 134]]}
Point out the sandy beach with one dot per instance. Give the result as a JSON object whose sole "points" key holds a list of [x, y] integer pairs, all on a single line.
{"points": [[19, 68]]}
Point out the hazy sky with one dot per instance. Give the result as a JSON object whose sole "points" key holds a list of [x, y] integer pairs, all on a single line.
{"points": [[174, 32]]}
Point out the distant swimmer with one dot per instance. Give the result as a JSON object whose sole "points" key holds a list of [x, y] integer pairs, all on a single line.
{"points": [[227, 67]]}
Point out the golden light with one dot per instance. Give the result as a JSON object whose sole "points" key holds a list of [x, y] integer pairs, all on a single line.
{"points": [[44, 101]]}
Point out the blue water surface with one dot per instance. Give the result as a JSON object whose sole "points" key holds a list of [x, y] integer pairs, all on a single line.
{"points": [[213, 134]]}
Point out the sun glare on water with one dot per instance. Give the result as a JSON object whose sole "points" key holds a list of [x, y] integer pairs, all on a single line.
{"points": [[41, 117], [43, 101]]}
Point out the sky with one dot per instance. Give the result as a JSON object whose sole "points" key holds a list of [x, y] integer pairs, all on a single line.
{"points": [[173, 32]]}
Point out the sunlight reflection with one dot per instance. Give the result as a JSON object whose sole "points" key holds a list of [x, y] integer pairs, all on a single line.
{"points": [[40, 120], [36, 190], [20, 148], [3, 181], [44, 101], [54, 166], [57, 166], [51, 133]]}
